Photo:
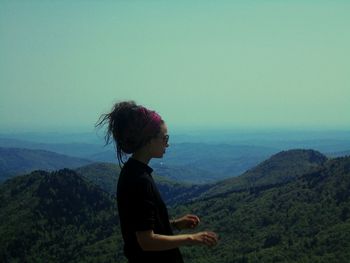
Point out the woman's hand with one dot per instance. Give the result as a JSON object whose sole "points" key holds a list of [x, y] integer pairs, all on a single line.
{"points": [[204, 238], [186, 222]]}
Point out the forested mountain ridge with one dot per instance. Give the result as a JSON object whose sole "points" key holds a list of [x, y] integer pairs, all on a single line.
{"points": [[279, 168], [304, 220], [57, 217]]}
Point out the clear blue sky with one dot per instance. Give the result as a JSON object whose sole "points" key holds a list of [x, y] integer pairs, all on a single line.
{"points": [[198, 63]]}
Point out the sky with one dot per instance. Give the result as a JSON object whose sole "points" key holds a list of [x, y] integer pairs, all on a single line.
{"points": [[210, 64]]}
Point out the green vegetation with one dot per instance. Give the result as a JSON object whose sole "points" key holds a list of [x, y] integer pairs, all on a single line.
{"points": [[305, 220], [55, 217], [65, 217]]}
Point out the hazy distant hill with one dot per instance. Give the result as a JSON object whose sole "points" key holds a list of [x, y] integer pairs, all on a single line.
{"points": [[281, 167], [14, 161]]}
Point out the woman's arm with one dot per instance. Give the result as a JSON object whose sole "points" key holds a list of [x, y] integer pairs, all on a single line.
{"points": [[149, 241], [186, 222]]}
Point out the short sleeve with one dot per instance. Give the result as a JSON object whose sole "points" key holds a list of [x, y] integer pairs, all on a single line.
{"points": [[142, 208]]}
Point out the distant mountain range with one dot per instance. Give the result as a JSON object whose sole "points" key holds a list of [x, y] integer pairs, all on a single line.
{"points": [[191, 162], [186, 162], [16, 161], [295, 208]]}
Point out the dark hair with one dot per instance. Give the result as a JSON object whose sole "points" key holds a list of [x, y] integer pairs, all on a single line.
{"points": [[131, 126]]}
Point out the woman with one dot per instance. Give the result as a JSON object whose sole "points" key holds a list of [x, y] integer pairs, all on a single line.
{"points": [[144, 220]]}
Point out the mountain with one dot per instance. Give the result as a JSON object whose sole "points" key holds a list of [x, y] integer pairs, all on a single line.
{"points": [[57, 217], [303, 220], [279, 168], [15, 161]]}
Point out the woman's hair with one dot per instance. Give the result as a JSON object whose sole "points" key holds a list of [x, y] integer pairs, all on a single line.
{"points": [[131, 126]]}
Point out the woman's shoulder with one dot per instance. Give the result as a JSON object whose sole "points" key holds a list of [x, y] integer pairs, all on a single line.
{"points": [[135, 178]]}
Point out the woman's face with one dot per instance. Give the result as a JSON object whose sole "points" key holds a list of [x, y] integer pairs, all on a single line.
{"points": [[159, 143]]}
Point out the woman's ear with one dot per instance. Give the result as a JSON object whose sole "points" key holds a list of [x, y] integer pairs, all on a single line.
{"points": [[148, 145]]}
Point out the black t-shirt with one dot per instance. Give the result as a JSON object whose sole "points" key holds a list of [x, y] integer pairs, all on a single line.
{"points": [[142, 208]]}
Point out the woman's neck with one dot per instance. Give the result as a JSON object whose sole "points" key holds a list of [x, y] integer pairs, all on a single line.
{"points": [[142, 157]]}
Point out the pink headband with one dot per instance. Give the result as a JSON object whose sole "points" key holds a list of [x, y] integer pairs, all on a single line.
{"points": [[152, 119]]}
